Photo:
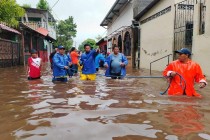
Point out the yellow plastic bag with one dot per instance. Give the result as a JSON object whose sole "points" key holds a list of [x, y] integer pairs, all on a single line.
{"points": [[79, 67]]}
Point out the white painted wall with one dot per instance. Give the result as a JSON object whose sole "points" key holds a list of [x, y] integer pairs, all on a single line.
{"points": [[201, 43], [157, 37], [125, 19]]}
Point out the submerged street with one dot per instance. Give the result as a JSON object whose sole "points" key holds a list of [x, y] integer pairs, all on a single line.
{"points": [[105, 109]]}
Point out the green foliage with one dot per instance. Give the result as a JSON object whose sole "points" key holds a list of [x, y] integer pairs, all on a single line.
{"points": [[66, 30], [26, 5], [43, 4], [10, 11], [92, 43]]}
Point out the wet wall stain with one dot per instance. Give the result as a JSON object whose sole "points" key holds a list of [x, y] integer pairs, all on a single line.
{"points": [[154, 53]]}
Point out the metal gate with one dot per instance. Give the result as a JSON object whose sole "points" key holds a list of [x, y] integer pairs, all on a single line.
{"points": [[9, 53], [183, 28]]}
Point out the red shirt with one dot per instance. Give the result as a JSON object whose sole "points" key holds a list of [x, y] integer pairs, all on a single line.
{"points": [[74, 57], [34, 67]]}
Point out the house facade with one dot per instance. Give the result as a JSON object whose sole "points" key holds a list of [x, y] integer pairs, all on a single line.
{"points": [[121, 30], [102, 43], [38, 32], [167, 26]]}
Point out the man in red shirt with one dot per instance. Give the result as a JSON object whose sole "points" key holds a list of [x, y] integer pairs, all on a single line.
{"points": [[34, 66], [74, 59], [190, 72]]}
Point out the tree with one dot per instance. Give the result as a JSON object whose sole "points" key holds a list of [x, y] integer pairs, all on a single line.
{"points": [[66, 30], [43, 4], [10, 12], [26, 6], [89, 41]]}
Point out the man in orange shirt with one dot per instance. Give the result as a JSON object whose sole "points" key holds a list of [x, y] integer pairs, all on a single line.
{"points": [[190, 72], [74, 58]]}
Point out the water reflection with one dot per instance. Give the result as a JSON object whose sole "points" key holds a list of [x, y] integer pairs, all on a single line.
{"points": [[184, 120], [104, 109]]}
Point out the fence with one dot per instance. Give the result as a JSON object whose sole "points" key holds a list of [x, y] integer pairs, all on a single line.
{"points": [[9, 53]]}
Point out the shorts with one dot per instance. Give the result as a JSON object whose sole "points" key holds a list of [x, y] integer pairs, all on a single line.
{"points": [[116, 75], [91, 77], [64, 79], [74, 68], [30, 78]]}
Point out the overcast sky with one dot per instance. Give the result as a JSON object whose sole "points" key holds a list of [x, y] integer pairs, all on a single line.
{"points": [[88, 14]]}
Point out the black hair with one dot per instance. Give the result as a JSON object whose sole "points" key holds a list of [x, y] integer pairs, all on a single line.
{"points": [[115, 46], [86, 45], [72, 49]]}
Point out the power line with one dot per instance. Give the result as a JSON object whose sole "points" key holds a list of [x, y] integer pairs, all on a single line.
{"points": [[55, 4], [56, 15]]}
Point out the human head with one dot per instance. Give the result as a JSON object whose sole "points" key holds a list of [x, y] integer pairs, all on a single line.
{"points": [[61, 50], [115, 49], [73, 49], [34, 53], [184, 54], [87, 47]]}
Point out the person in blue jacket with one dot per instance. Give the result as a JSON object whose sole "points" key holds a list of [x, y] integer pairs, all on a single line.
{"points": [[87, 61], [99, 58], [60, 65], [115, 64]]}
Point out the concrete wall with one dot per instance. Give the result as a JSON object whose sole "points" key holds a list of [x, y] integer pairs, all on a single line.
{"points": [[124, 19], [201, 42], [157, 36]]}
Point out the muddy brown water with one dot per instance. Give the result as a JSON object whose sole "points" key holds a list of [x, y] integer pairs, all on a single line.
{"points": [[105, 109]]}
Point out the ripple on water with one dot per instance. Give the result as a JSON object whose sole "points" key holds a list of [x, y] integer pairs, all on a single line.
{"points": [[204, 136]]}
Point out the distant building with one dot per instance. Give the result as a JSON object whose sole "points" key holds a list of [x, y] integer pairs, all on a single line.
{"points": [[169, 25], [38, 32], [102, 43], [122, 30]]}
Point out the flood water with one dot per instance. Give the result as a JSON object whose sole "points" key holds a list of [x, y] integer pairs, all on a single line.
{"points": [[105, 109]]}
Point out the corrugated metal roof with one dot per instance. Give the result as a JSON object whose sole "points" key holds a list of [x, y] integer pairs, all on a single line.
{"points": [[113, 11], [4, 27], [153, 3], [42, 31]]}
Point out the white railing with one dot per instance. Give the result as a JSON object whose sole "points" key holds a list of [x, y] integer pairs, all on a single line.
{"points": [[35, 25]]}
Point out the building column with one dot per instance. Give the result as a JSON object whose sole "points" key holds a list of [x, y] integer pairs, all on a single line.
{"points": [[196, 18], [207, 24]]}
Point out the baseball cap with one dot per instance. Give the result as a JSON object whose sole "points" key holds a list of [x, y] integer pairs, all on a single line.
{"points": [[33, 51], [184, 51], [61, 47]]}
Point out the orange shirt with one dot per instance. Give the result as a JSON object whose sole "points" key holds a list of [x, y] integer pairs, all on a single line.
{"points": [[74, 57], [190, 71]]}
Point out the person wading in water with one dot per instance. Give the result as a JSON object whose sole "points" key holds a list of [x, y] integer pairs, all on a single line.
{"points": [[189, 71]]}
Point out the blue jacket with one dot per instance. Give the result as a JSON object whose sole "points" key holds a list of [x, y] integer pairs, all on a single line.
{"points": [[108, 62], [59, 61], [99, 58], [69, 57], [88, 62]]}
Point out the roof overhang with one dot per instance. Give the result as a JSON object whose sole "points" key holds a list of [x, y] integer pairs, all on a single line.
{"points": [[40, 11], [9, 29], [141, 14], [114, 11], [42, 31], [100, 41]]}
